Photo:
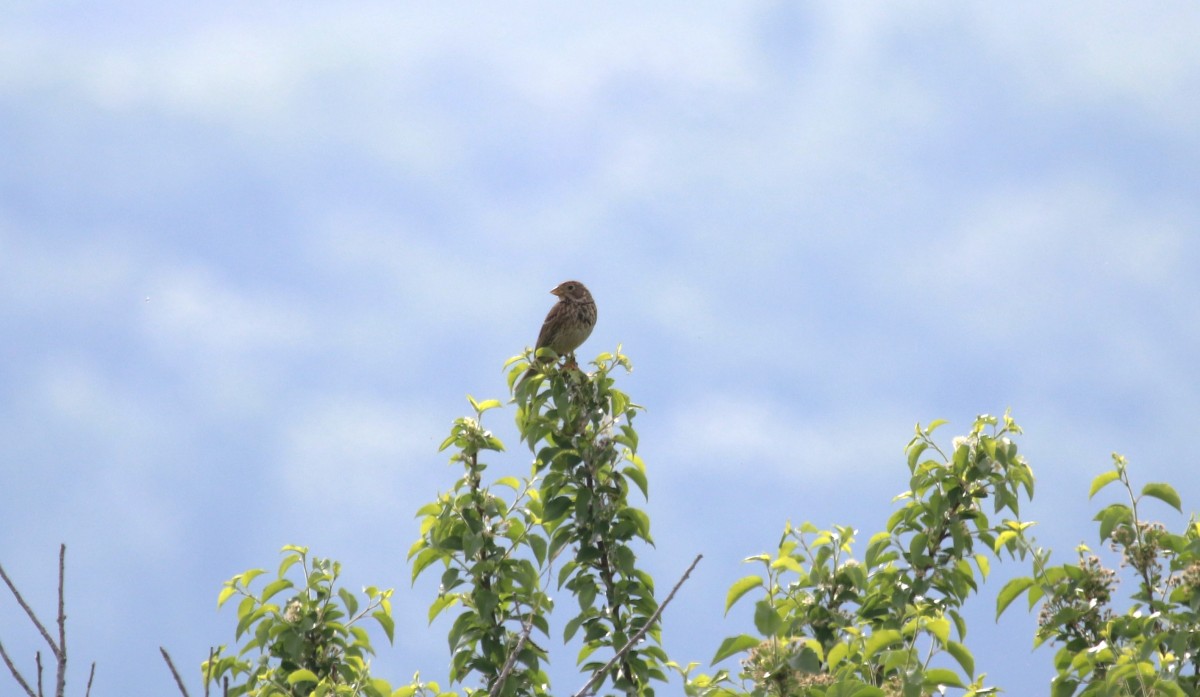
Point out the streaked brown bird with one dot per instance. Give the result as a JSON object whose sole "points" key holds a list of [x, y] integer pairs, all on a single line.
{"points": [[569, 323]]}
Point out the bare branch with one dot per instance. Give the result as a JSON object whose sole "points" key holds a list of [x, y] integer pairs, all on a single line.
{"points": [[178, 680], [15, 673], [592, 682], [60, 683], [208, 673], [28, 610], [91, 676], [512, 657]]}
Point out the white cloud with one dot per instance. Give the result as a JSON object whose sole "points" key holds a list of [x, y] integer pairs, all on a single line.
{"points": [[1053, 244], [726, 432], [105, 454], [1121, 55], [192, 309], [444, 285], [356, 452], [229, 346], [53, 276]]}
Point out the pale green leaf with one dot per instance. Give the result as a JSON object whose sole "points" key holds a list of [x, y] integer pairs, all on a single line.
{"points": [[225, 594], [385, 621], [301, 675], [1165, 493], [942, 676], [1010, 592], [510, 482], [274, 587], [881, 640], [734, 645], [1102, 480], [963, 656]]}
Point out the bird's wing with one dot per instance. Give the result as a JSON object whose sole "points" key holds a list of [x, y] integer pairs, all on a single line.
{"points": [[548, 327]]}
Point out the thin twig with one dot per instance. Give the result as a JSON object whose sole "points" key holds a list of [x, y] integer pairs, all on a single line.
{"points": [[178, 680], [512, 657], [28, 610], [91, 676], [599, 674], [15, 673], [60, 683], [37, 660]]}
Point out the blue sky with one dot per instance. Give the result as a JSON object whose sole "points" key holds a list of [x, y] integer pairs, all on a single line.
{"points": [[253, 257]]}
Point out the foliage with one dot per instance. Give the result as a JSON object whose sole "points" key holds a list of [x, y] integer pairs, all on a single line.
{"points": [[1153, 647], [830, 624], [312, 644], [888, 622], [497, 550]]}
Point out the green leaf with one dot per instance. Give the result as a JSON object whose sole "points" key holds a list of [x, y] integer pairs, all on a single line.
{"points": [[914, 453], [302, 675], [942, 676], [734, 645], [918, 548], [836, 654], [274, 587], [538, 545], [1003, 539], [855, 688], [880, 640], [385, 621], [488, 404], [250, 575], [1010, 592], [424, 559], [639, 477], [1063, 686], [878, 545], [1111, 517], [246, 606], [805, 661], [1102, 481], [1165, 493], [963, 656], [940, 628], [766, 619], [555, 508], [510, 482], [225, 594], [789, 563], [985, 566], [288, 562], [572, 627], [440, 604], [740, 588]]}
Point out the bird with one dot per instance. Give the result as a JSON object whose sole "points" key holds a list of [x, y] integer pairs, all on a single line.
{"points": [[569, 323]]}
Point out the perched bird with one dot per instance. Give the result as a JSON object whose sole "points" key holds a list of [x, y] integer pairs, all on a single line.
{"points": [[569, 322]]}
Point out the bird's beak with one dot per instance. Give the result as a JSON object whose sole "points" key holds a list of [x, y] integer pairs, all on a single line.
{"points": [[557, 291]]}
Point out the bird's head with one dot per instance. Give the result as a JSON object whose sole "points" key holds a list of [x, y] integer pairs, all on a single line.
{"points": [[572, 291]]}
